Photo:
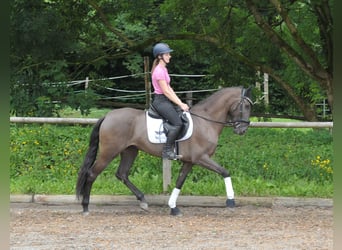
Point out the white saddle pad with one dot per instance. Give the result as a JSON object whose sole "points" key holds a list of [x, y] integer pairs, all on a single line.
{"points": [[155, 130]]}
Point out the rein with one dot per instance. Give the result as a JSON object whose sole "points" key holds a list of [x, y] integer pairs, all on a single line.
{"points": [[209, 120], [232, 123]]}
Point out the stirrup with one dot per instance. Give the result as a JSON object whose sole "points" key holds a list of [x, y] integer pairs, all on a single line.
{"points": [[171, 155]]}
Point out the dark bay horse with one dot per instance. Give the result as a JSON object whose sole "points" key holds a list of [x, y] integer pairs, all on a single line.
{"points": [[123, 132]]}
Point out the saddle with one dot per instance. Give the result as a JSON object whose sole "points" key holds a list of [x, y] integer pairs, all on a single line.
{"points": [[152, 114]]}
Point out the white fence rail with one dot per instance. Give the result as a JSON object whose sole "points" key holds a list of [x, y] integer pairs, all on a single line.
{"points": [[291, 124], [94, 120], [53, 120], [167, 163]]}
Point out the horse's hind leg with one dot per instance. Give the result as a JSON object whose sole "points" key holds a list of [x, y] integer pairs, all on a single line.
{"points": [[100, 164], [127, 158]]}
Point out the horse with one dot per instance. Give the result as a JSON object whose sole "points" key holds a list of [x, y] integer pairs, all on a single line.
{"points": [[123, 132]]}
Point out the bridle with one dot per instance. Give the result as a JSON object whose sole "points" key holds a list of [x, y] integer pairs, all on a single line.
{"points": [[237, 122], [240, 105]]}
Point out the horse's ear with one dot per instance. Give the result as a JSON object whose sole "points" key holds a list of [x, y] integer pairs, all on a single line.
{"points": [[248, 92]]}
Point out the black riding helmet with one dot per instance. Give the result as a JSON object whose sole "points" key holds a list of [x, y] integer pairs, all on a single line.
{"points": [[161, 48]]}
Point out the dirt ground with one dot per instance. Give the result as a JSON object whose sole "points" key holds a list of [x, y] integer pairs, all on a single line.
{"points": [[38, 226]]}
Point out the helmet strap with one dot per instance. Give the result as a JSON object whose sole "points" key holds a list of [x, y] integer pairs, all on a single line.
{"points": [[161, 57]]}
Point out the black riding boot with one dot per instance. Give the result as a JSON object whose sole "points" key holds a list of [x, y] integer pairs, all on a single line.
{"points": [[168, 151]]}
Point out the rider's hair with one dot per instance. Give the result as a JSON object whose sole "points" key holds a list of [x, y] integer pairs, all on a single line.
{"points": [[155, 63]]}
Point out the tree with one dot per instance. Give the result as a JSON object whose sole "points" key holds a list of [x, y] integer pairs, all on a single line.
{"points": [[313, 56], [288, 46], [268, 36], [229, 40], [43, 43]]}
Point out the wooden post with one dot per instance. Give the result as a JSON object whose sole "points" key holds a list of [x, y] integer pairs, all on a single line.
{"points": [[189, 99], [166, 162], [166, 174], [257, 85], [86, 83], [266, 89], [147, 82]]}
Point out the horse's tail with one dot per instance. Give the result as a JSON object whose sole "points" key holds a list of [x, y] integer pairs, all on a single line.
{"points": [[89, 159]]}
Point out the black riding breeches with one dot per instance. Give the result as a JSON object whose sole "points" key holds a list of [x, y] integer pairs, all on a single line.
{"points": [[166, 109]]}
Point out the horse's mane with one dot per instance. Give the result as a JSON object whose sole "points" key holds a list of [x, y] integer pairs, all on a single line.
{"points": [[215, 96]]}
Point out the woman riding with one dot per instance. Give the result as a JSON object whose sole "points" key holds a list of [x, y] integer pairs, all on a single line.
{"points": [[165, 98]]}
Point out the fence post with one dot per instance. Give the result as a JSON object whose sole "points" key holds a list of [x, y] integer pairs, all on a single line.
{"points": [[189, 98], [266, 92], [166, 174], [86, 85], [147, 82]]}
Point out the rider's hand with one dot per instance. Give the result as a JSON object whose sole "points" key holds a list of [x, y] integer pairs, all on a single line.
{"points": [[184, 107]]}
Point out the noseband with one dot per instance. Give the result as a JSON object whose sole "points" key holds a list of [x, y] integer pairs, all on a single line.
{"points": [[236, 123]]}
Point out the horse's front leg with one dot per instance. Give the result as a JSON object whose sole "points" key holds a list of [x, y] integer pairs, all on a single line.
{"points": [[208, 163], [186, 168]]}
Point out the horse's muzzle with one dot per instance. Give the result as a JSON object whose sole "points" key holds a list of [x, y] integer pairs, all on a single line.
{"points": [[240, 127]]}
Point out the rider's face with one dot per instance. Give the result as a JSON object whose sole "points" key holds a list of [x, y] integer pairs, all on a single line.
{"points": [[166, 57]]}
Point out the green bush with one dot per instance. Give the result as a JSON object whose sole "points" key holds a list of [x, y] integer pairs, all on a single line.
{"points": [[264, 161]]}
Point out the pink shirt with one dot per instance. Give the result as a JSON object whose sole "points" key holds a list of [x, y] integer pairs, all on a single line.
{"points": [[159, 73]]}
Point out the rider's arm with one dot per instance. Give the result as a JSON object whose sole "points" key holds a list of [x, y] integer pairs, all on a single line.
{"points": [[171, 95]]}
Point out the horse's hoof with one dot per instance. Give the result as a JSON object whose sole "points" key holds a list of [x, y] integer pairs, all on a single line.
{"points": [[86, 213], [144, 206], [175, 212], [230, 203]]}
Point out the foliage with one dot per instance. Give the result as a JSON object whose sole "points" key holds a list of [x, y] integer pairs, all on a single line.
{"points": [[83, 101], [281, 162], [42, 42], [61, 41]]}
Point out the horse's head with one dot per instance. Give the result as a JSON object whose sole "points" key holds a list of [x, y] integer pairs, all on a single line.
{"points": [[240, 111]]}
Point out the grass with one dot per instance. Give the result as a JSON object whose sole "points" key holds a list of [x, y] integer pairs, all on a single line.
{"points": [[94, 113], [45, 159]]}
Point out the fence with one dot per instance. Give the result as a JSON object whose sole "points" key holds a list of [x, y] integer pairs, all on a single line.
{"points": [[90, 121], [132, 94], [167, 163]]}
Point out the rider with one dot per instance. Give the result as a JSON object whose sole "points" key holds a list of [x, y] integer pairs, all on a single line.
{"points": [[165, 98]]}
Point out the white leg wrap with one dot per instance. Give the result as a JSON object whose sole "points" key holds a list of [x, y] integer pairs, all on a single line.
{"points": [[229, 187], [173, 197]]}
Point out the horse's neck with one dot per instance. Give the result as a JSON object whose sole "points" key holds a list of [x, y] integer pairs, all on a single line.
{"points": [[216, 107]]}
